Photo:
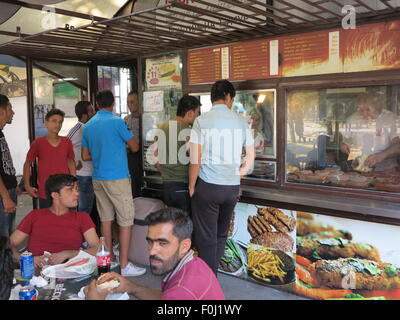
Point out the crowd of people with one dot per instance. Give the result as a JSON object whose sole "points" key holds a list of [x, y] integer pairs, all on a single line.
{"points": [[101, 159]]}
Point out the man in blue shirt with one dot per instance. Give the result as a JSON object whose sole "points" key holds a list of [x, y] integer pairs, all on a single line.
{"points": [[104, 142], [216, 143]]}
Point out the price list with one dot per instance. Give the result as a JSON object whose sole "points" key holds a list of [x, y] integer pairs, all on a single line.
{"points": [[205, 65], [250, 60]]}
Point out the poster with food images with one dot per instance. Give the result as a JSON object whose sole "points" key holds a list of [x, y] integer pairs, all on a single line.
{"points": [[261, 246], [338, 258], [164, 72]]}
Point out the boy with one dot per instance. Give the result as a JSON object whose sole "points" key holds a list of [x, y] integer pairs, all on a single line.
{"points": [[55, 154]]}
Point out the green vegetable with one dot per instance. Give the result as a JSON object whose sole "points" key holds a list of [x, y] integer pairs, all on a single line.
{"points": [[315, 253], [391, 271], [363, 266], [353, 296], [373, 269], [364, 246], [299, 242], [372, 298]]}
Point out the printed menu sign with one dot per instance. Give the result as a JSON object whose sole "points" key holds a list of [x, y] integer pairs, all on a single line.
{"points": [[163, 72], [208, 65], [251, 60], [311, 54]]}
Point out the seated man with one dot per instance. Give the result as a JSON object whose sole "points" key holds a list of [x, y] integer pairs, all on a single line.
{"points": [[185, 277], [60, 229]]}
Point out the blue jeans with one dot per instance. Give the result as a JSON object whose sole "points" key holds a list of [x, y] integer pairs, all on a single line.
{"points": [[86, 194], [7, 219]]}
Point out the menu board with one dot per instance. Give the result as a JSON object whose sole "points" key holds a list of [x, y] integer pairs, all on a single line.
{"points": [[311, 54], [208, 65], [371, 47], [250, 60]]}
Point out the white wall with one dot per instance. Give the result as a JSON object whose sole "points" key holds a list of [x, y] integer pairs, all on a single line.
{"points": [[17, 133]]}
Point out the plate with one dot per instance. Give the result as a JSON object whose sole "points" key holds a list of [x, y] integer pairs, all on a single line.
{"points": [[289, 268]]}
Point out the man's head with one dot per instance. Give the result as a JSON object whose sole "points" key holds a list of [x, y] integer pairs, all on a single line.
{"points": [[133, 104], [6, 111], [105, 99], [54, 120], [84, 111], [369, 106], [188, 108], [62, 190], [223, 90], [168, 238]]}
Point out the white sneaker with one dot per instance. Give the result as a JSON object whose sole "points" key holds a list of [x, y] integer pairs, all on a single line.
{"points": [[132, 271]]}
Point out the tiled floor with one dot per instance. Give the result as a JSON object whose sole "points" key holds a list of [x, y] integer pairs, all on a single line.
{"points": [[234, 288]]}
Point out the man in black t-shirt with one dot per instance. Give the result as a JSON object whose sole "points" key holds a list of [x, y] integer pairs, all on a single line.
{"points": [[8, 181]]}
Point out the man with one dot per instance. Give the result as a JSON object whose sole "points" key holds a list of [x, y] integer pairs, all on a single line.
{"points": [[84, 111], [54, 153], [185, 277], [216, 144], [60, 229], [175, 174], [135, 158], [8, 181], [372, 129], [104, 142]]}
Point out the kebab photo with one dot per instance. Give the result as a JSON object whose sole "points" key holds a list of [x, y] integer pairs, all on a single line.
{"points": [[329, 266]]}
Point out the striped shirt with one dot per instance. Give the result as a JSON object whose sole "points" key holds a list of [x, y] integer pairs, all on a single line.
{"points": [[75, 135]]}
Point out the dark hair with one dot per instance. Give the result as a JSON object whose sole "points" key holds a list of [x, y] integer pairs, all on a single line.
{"points": [[56, 182], [3, 101], [82, 108], [183, 226], [132, 92], [105, 99], [54, 112], [6, 268], [220, 89], [187, 103]]}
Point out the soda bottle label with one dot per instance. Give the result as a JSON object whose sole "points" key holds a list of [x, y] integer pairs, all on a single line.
{"points": [[103, 261]]}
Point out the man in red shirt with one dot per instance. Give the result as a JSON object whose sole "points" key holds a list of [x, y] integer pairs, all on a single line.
{"points": [[60, 229], [185, 277], [55, 154]]}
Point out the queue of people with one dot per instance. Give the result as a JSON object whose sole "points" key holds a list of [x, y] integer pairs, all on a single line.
{"points": [[97, 160]]}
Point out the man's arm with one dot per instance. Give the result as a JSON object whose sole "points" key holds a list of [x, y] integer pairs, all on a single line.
{"points": [[93, 241], [133, 144], [33, 192], [86, 156], [8, 205], [391, 151], [71, 166], [194, 166], [16, 240], [248, 163]]}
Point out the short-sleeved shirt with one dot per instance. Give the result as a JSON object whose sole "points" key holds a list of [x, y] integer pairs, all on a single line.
{"points": [[52, 233], [106, 135], [75, 135], [222, 133], [173, 159], [7, 170], [194, 281], [51, 160]]}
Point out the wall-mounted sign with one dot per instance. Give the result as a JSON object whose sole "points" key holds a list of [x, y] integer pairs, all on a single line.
{"points": [[163, 72], [153, 101]]}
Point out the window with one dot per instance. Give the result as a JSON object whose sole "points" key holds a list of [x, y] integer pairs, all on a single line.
{"points": [[344, 137]]}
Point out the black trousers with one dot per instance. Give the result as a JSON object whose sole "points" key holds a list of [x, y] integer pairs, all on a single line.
{"points": [[212, 208], [176, 194], [136, 172]]}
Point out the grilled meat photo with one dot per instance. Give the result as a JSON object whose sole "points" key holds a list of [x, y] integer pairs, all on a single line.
{"points": [[276, 240], [334, 248], [278, 219], [306, 227], [357, 274]]}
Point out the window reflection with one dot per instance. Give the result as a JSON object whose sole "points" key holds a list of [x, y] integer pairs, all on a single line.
{"points": [[347, 137]]}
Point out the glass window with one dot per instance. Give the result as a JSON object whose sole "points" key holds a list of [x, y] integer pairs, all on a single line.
{"points": [[345, 137]]}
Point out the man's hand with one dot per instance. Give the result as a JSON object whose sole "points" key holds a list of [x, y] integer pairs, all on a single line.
{"points": [[374, 159], [33, 192], [345, 148], [9, 205], [91, 292], [124, 284], [191, 191], [61, 257], [79, 165], [40, 261]]}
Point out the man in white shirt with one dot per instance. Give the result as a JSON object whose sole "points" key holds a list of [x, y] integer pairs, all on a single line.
{"points": [[84, 111], [373, 130]]}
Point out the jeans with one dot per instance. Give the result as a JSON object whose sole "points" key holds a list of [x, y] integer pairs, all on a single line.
{"points": [[7, 220], [176, 194], [86, 194]]}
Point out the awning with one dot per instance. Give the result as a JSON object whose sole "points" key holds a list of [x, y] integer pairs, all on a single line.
{"points": [[196, 24]]}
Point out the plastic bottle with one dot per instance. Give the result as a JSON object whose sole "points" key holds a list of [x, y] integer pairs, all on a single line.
{"points": [[103, 257]]}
